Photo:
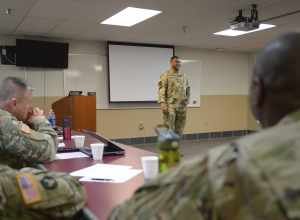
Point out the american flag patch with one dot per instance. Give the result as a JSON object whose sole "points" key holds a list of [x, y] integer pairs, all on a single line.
{"points": [[28, 186]]}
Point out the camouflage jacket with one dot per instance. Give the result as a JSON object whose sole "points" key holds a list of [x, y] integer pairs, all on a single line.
{"points": [[31, 194], [22, 146], [254, 178], [173, 88]]}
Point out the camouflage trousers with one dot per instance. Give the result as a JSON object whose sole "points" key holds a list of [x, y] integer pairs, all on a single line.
{"points": [[175, 119]]}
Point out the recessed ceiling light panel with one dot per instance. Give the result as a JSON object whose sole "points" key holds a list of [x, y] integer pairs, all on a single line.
{"points": [[130, 16]]}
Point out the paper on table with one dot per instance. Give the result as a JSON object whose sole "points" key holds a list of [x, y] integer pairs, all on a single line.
{"points": [[98, 169], [122, 177], [107, 173], [63, 156]]}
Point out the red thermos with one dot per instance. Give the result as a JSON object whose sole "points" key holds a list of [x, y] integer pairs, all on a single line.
{"points": [[67, 128]]}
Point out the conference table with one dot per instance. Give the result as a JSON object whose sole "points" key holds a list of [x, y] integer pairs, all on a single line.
{"points": [[103, 197]]}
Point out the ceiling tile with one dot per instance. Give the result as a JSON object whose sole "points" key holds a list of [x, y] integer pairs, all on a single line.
{"points": [[8, 23], [38, 25]]}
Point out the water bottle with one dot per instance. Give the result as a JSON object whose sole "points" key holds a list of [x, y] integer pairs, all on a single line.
{"points": [[67, 121], [52, 119], [168, 145]]}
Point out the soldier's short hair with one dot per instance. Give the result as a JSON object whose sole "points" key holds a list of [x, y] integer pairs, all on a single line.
{"points": [[174, 57], [12, 87]]}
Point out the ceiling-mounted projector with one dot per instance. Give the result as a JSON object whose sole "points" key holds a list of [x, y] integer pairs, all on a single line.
{"points": [[243, 23]]}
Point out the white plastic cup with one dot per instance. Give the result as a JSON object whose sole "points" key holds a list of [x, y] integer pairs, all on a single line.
{"points": [[97, 150], [79, 140], [150, 166]]}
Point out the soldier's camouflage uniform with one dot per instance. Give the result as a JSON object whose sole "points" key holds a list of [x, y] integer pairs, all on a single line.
{"points": [[60, 195], [254, 178], [174, 91], [21, 146]]}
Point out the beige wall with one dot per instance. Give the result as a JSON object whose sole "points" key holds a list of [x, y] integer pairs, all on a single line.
{"points": [[252, 124], [217, 113], [45, 102], [222, 73]]}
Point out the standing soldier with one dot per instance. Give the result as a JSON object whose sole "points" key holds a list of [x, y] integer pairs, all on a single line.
{"points": [[174, 94]]}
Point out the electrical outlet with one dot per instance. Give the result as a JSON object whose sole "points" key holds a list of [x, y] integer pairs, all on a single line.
{"points": [[3, 51], [141, 126]]}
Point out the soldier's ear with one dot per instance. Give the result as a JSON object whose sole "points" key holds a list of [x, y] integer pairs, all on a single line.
{"points": [[13, 101]]}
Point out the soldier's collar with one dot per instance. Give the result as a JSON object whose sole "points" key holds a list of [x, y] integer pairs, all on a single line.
{"points": [[4, 112], [290, 118]]}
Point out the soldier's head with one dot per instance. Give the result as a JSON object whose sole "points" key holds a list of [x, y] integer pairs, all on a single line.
{"points": [[16, 97], [275, 85], [175, 62]]}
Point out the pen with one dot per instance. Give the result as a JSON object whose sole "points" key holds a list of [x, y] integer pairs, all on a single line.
{"points": [[111, 180]]}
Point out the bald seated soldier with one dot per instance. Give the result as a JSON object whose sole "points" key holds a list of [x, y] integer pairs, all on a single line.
{"points": [[256, 177], [31, 194], [26, 137]]}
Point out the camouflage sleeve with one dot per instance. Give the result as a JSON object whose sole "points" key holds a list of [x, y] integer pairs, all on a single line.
{"points": [[244, 183], [26, 146], [34, 193], [188, 91], [179, 194], [42, 125], [162, 88]]}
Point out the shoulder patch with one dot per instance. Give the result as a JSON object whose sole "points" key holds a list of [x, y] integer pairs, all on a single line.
{"points": [[49, 182], [29, 189]]}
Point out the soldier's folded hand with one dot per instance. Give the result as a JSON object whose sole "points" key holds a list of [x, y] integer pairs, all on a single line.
{"points": [[164, 107], [36, 113]]}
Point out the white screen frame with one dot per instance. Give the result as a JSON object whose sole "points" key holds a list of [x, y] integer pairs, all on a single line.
{"points": [[110, 44]]}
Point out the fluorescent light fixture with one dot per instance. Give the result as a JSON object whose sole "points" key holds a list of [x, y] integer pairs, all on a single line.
{"points": [[130, 16], [184, 61], [234, 33]]}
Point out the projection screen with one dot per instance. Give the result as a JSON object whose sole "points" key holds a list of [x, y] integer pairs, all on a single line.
{"points": [[134, 70]]}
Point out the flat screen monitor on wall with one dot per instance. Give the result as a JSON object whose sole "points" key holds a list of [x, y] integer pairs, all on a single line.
{"points": [[32, 53], [135, 69]]}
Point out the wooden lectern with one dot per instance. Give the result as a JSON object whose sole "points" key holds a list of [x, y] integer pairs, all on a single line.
{"points": [[82, 110]]}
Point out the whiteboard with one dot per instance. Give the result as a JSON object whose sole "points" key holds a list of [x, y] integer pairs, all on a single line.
{"points": [[134, 71], [193, 70]]}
